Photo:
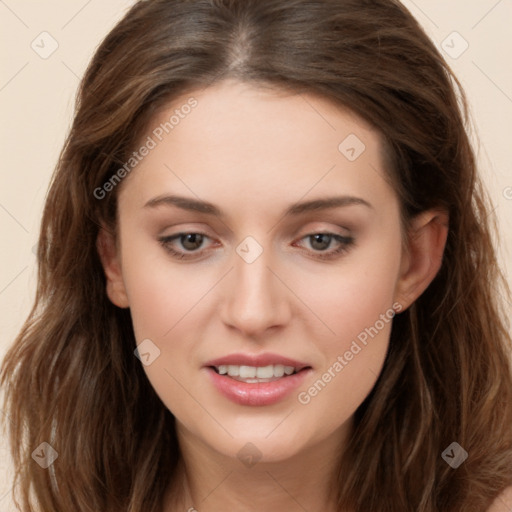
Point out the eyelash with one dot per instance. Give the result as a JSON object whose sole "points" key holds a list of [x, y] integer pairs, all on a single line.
{"points": [[346, 242]]}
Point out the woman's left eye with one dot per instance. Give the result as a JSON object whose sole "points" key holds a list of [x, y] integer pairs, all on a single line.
{"points": [[321, 241], [192, 241]]}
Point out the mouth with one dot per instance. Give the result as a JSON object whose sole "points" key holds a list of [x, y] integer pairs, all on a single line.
{"points": [[257, 374], [257, 380]]}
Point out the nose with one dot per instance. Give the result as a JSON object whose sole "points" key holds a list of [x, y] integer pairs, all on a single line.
{"points": [[255, 298]]}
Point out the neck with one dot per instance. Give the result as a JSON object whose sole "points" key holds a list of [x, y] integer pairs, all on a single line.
{"points": [[209, 481]]}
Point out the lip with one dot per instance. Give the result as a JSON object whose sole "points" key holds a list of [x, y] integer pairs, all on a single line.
{"points": [[264, 359], [257, 393]]}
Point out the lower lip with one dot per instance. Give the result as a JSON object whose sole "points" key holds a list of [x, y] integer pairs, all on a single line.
{"points": [[257, 393]]}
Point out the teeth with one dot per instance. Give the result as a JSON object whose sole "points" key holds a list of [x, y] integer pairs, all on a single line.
{"points": [[278, 370], [265, 372], [233, 371], [289, 370], [248, 372], [252, 372]]}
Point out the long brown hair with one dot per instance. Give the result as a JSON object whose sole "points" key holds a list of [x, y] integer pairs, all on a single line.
{"points": [[71, 378]]}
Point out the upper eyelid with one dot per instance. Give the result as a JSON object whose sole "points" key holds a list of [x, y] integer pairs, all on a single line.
{"points": [[327, 225]]}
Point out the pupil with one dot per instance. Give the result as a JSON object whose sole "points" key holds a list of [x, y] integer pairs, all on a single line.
{"points": [[195, 240], [322, 242]]}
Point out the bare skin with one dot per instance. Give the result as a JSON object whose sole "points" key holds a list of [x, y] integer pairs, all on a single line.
{"points": [[253, 153]]}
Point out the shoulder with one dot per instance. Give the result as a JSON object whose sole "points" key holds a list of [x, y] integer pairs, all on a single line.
{"points": [[503, 503]]}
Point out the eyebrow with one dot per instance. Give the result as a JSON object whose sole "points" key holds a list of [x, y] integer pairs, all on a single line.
{"points": [[195, 205]]}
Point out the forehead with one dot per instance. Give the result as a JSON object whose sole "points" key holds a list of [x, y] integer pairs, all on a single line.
{"points": [[250, 145]]}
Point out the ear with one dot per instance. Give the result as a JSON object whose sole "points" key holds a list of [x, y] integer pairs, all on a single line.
{"points": [[422, 256], [109, 256]]}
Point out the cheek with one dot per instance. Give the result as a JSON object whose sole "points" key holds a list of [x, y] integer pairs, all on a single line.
{"points": [[352, 360], [160, 293], [163, 300], [353, 296], [355, 306]]}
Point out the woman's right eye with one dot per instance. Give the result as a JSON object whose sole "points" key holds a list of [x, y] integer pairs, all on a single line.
{"points": [[190, 242]]}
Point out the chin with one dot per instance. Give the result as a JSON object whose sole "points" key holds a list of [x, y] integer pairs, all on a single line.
{"points": [[260, 444]]}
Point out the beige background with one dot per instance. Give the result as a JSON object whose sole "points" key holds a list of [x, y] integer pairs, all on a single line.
{"points": [[37, 97]]}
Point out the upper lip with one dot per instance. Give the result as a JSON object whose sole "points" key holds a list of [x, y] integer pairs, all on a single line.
{"points": [[264, 359]]}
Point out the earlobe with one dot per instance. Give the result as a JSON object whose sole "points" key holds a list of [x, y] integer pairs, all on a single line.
{"points": [[423, 256], [108, 253]]}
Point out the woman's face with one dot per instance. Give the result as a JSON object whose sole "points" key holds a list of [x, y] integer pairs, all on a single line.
{"points": [[270, 276]]}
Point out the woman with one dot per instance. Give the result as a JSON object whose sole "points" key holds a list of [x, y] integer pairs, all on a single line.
{"points": [[266, 276]]}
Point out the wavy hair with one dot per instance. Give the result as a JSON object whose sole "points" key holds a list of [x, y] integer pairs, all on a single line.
{"points": [[71, 379]]}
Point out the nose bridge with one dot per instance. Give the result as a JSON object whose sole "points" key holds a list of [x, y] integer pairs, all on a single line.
{"points": [[255, 299]]}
